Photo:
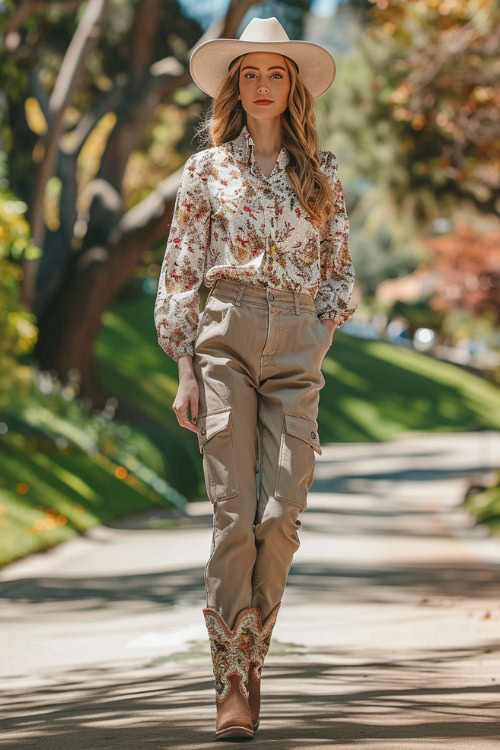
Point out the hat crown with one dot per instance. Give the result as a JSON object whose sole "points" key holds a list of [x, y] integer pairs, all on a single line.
{"points": [[264, 30]]}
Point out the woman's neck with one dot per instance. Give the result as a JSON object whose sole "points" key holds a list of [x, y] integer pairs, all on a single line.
{"points": [[266, 135]]}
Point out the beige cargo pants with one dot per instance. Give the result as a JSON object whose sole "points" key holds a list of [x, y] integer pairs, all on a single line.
{"points": [[257, 362]]}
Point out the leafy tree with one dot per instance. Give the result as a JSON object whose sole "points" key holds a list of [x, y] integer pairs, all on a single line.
{"points": [[412, 118], [435, 70], [97, 75]]}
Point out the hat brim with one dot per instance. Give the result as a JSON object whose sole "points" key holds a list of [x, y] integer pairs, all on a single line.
{"points": [[209, 62]]}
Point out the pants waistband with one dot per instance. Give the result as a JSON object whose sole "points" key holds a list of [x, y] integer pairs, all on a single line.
{"points": [[239, 291]]}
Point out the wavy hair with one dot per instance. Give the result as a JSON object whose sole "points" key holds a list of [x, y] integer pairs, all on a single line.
{"points": [[226, 117]]}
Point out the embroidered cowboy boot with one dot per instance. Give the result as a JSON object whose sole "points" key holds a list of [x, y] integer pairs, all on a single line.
{"points": [[230, 650], [259, 646]]}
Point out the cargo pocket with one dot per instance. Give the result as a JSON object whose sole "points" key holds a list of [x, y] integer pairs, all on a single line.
{"points": [[299, 441], [215, 440]]}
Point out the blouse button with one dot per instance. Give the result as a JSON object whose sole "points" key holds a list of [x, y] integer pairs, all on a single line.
{"points": [[202, 430], [313, 434]]}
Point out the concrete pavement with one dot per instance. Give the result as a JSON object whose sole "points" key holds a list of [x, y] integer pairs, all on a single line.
{"points": [[388, 636]]}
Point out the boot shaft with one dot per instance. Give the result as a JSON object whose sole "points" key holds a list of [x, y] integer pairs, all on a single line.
{"points": [[231, 648]]}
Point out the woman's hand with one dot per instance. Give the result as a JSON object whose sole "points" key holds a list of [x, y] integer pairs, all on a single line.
{"points": [[187, 394]]}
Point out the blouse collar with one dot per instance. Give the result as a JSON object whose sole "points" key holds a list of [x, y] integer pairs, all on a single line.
{"points": [[242, 151]]}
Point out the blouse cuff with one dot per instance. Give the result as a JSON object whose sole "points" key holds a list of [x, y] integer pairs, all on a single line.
{"points": [[339, 316], [184, 349], [176, 350]]}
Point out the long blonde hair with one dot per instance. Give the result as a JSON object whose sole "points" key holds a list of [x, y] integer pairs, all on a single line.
{"points": [[226, 118]]}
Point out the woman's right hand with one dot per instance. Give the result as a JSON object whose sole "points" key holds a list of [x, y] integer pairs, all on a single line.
{"points": [[187, 394]]}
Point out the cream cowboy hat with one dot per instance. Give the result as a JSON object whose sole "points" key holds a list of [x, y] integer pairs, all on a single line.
{"points": [[209, 62]]}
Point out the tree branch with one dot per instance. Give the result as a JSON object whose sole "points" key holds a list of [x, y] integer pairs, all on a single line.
{"points": [[82, 43]]}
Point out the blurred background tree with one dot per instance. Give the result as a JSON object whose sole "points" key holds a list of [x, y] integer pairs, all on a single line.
{"points": [[435, 67], [413, 114]]}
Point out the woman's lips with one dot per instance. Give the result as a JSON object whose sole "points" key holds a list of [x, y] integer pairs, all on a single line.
{"points": [[263, 103]]}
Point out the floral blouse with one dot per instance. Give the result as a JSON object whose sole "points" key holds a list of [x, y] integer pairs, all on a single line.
{"points": [[231, 221]]}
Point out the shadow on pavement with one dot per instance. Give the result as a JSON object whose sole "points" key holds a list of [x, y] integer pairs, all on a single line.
{"points": [[386, 700], [133, 594]]}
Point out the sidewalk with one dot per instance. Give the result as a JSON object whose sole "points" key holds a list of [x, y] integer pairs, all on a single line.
{"points": [[388, 636]]}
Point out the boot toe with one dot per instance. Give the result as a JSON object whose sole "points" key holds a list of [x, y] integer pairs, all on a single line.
{"points": [[233, 714]]}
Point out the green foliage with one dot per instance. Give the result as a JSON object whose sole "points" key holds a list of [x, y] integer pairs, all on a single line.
{"points": [[13, 77], [433, 99], [18, 329], [64, 470], [408, 117], [385, 238], [458, 325], [484, 503], [375, 260]]}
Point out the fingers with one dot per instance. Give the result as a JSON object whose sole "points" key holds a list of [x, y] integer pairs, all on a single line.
{"points": [[193, 407], [182, 416], [183, 420]]}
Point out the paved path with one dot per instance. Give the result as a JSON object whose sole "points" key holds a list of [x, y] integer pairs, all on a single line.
{"points": [[388, 636]]}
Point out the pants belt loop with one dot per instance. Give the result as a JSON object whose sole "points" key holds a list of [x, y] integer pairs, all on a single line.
{"points": [[241, 291], [296, 301]]}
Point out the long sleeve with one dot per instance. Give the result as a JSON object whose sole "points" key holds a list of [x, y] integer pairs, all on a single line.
{"points": [[176, 310], [336, 267]]}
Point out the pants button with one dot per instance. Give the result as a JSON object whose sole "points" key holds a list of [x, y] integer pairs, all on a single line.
{"points": [[313, 434], [271, 296]]}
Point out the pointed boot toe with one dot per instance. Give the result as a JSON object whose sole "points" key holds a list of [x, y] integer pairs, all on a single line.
{"points": [[233, 714]]}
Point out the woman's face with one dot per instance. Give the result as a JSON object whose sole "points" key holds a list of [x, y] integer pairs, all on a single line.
{"points": [[264, 75]]}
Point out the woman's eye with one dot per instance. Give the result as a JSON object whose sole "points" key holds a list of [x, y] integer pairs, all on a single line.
{"points": [[252, 74]]}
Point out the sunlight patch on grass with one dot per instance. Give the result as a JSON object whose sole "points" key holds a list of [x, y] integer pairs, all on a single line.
{"points": [[71, 480]]}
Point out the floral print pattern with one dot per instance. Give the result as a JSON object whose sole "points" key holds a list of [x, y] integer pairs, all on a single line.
{"points": [[230, 649], [261, 641], [231, 221]]}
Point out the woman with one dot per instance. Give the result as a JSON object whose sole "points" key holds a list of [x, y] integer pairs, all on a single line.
{"points": [[260, 219]]}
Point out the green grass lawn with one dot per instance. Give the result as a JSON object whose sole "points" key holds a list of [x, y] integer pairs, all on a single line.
{"points": [[63, 471], [47, 498], [373, 391]]}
